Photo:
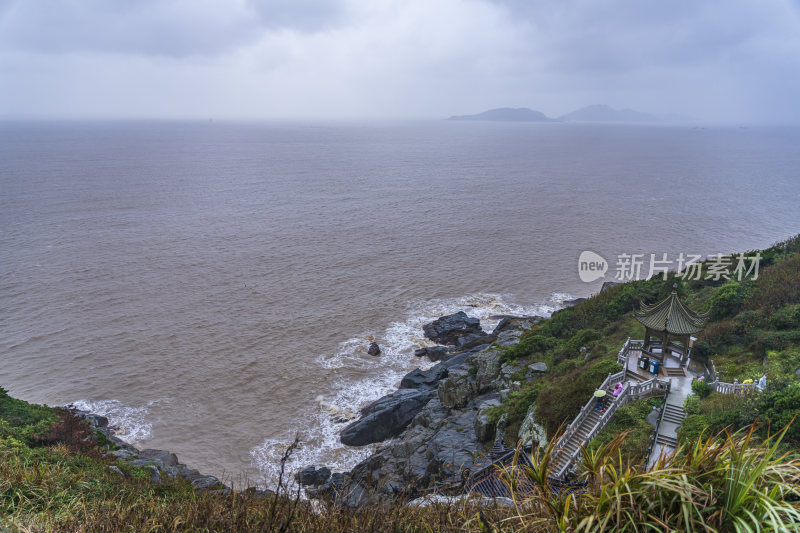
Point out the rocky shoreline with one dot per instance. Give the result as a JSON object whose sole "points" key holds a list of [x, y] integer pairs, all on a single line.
{"points": [[161, 463], [437, 425], [431, 431]]}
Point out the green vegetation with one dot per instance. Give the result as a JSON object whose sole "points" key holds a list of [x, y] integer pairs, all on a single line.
{"points": [[631, 421], [718, 485], [23, 421], [754, 330]]}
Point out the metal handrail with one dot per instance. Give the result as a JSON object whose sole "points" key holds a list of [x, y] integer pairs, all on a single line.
{"points": [[628, 395]]}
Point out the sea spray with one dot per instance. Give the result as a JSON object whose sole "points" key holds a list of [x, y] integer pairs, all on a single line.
{"points": [[367, 379]]}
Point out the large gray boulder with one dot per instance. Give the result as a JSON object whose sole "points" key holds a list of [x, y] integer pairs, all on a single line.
{"points": [[484, 428], [531, 432], [386, 417], [424, 379], [447, 329], [476, 376], [313, 476], [434, 353], [162, 457]]}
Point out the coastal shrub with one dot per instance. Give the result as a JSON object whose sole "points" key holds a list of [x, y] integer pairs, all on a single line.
{"points": [[531, 342], [580, 339], [701, 388], [720, 335], [630, 419], [598, 371], [23, 420], [747, 321], [779, 406], [782, 363], [692, 404], [723, 482], [778, 340], [693, 427], [727, 300], [777, 285], [788, 317]]}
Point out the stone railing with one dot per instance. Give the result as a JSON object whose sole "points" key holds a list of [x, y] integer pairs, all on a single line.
{"points": [[611, 379], [712, 371], [629, 394], [654, 435], [622, 357], [735, 387]]}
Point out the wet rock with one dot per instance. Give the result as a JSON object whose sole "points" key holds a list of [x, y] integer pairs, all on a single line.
{"points": [[374, 349], [488, 365], [459, 388], [575, 301], [424, 379], [447, 329], [509, 338], [454, 447], [116, 470], [435, 353], [310, 476], [507, 369], [530, 432], [472, 340], [386, 417], [484, 429], [609, 285], [538, 368], [171, 471], [96, 421], [514, 323], [163, 457], [155, 475], [205, 482], [473, 499], [475, 377], [124, 454], [653, 416], [146, 462]]}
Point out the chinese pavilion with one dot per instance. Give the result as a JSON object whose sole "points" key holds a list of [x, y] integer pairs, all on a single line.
{"points": [[671, 322]]}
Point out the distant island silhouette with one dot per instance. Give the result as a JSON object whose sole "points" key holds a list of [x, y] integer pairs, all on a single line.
{"points": [[592, 113], [507, 114], [604, 113]]}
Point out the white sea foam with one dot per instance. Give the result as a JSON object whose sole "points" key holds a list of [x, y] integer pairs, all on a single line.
{"points": [[130, 423], [375, 377]]}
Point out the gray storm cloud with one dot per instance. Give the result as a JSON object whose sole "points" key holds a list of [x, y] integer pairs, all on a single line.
{"points": [[731, 60]]}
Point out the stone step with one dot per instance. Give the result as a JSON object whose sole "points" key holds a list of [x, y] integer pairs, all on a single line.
{"points": [[674, 414], [675, 372], [666, 440], [674, 408]]}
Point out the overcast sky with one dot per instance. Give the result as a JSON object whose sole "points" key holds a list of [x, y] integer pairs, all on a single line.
{"points": [[735, 60]]}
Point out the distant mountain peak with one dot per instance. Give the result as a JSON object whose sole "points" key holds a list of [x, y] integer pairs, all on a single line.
{"points": [[605, 113], [507, 114]]}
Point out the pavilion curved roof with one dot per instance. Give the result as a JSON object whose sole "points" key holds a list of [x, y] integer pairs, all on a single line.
{"points": [[672, 316]]}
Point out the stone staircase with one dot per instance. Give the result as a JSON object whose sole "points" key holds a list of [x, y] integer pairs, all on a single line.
{"points": [[582, 431], [674, 414], [591, 420], [666, 440], [675, 372]]}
